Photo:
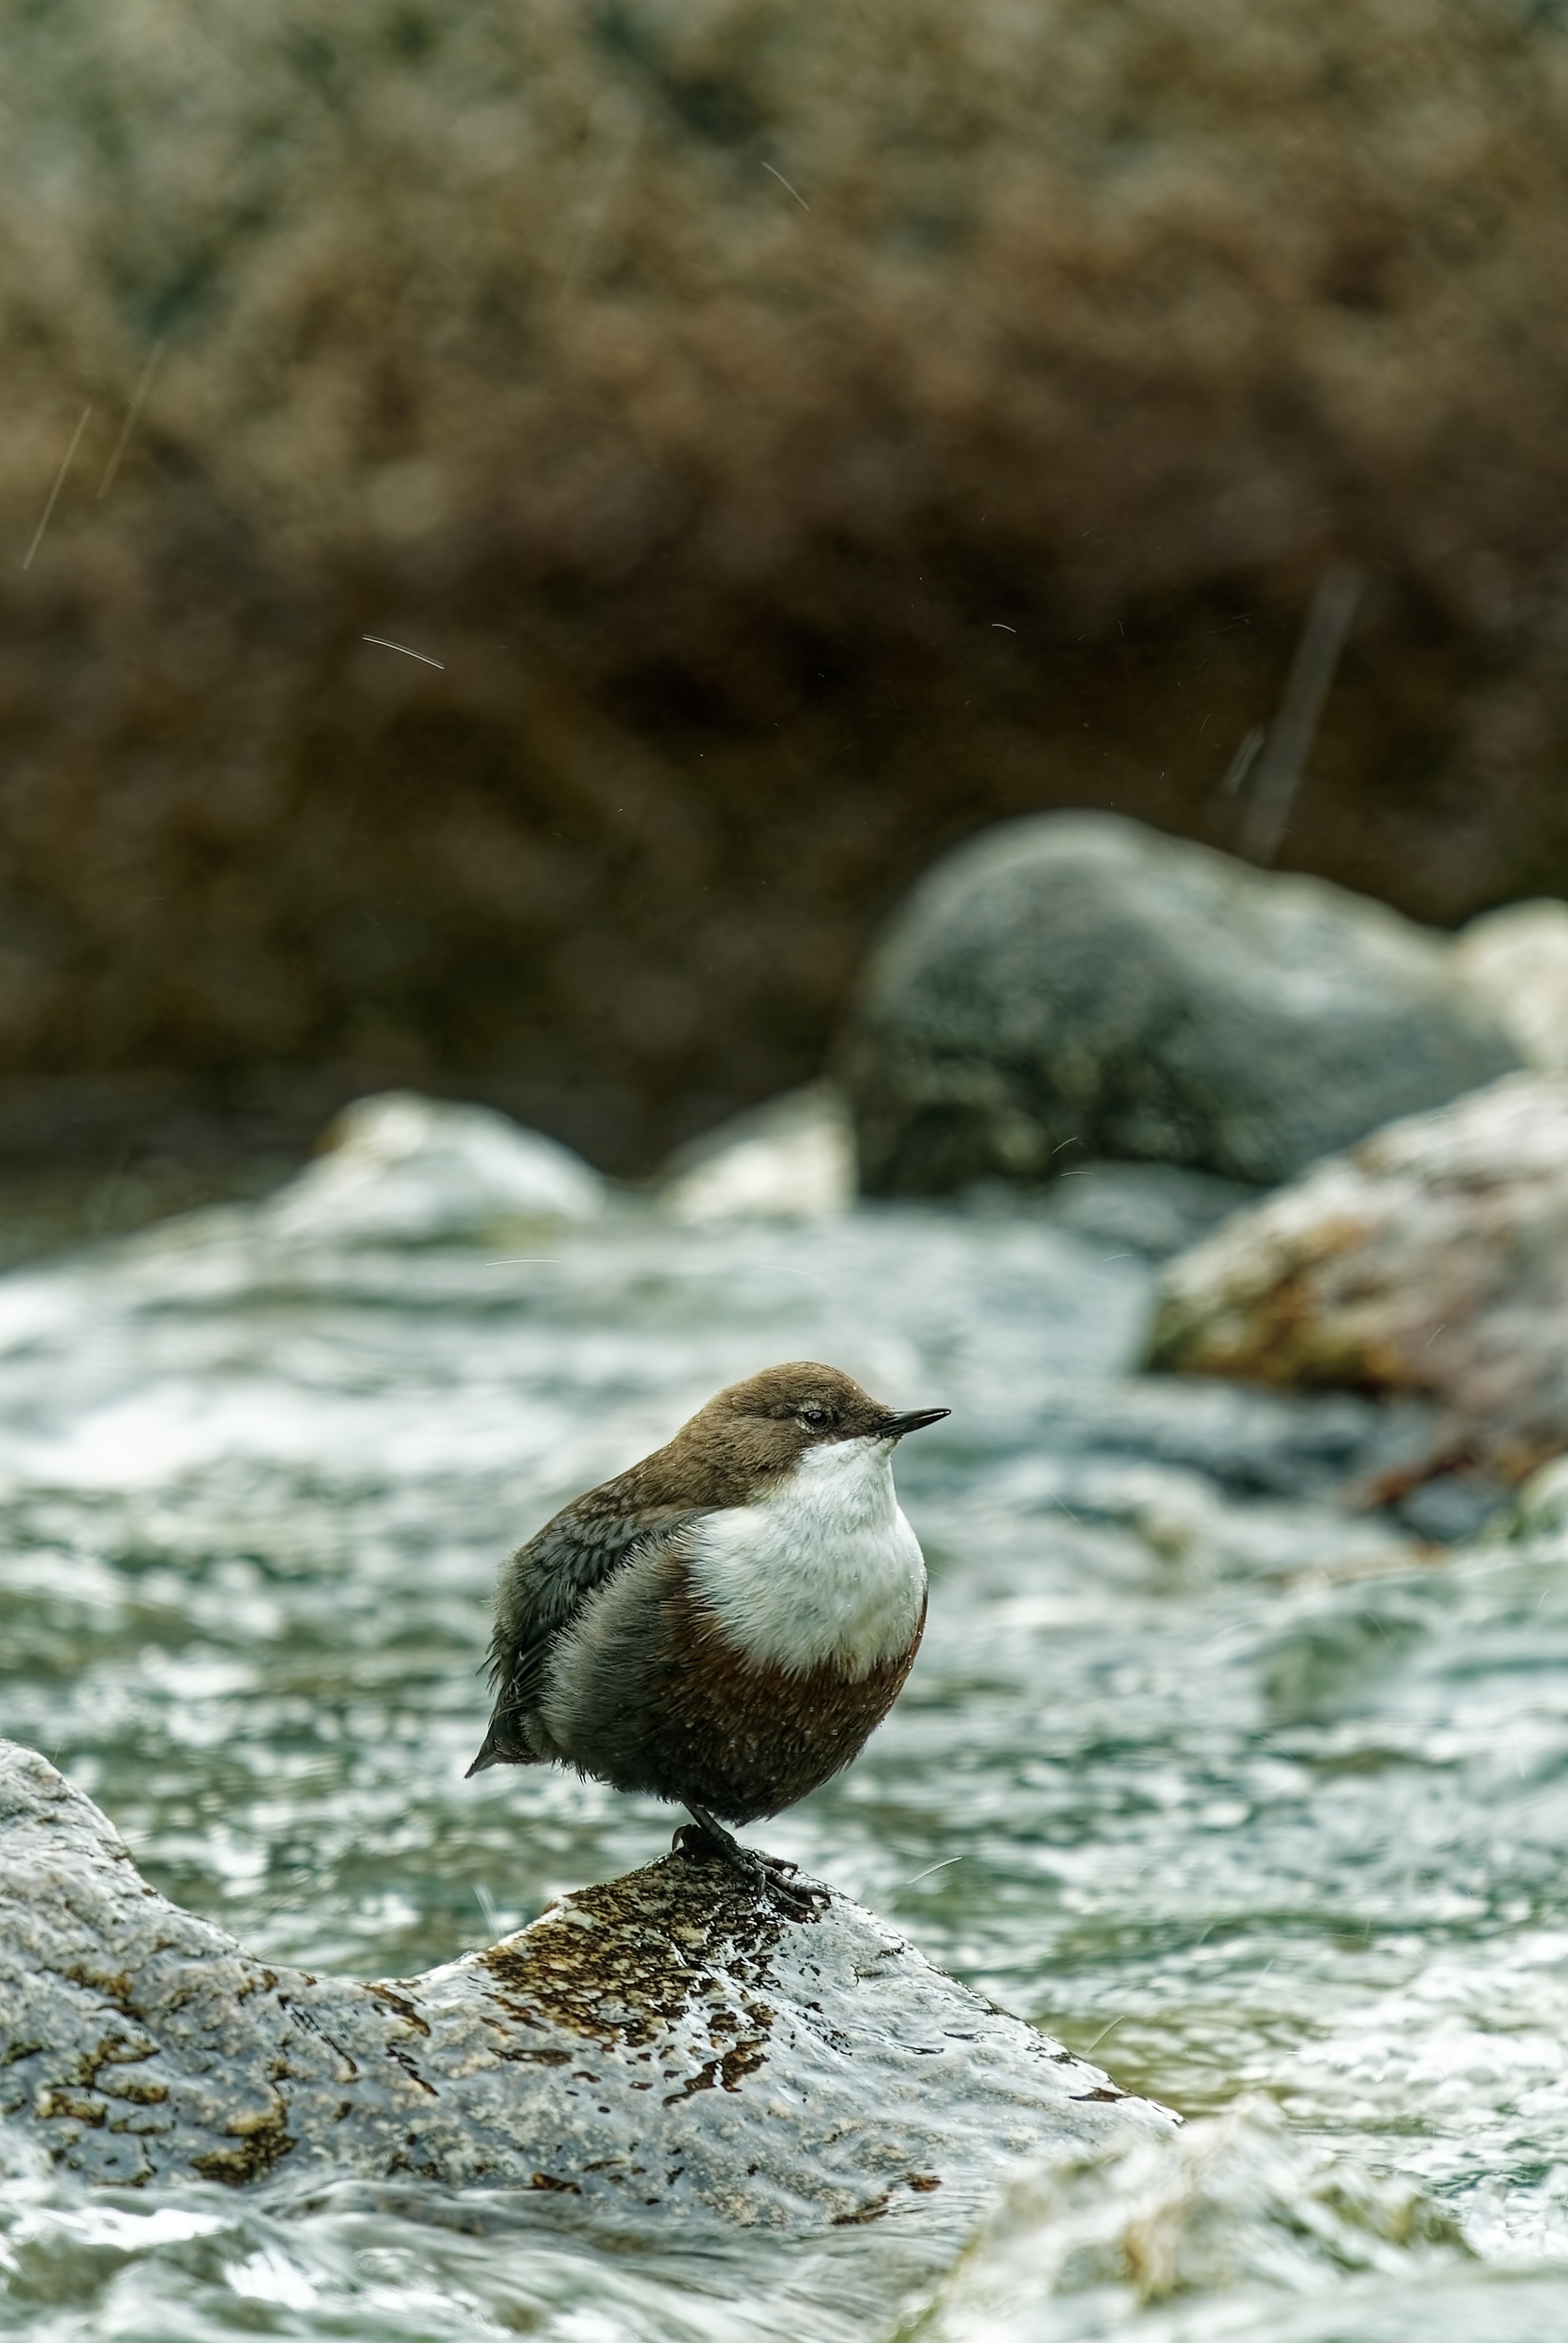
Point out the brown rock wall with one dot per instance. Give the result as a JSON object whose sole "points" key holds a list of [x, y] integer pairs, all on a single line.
{"points": [[799, 443]]}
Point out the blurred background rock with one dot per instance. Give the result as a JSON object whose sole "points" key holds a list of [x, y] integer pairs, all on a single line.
{"points": [[795, 452]]}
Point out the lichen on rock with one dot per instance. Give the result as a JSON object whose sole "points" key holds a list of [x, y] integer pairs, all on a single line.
{"points": [[1429, 1263]]}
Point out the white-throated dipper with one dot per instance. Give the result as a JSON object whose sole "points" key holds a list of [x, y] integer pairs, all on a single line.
{"points": [[724, 1624]]}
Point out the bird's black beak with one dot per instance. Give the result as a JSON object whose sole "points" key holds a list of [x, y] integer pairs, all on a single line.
{"points": [[895, 1426]]}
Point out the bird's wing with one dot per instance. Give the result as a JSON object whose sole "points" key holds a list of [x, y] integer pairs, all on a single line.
{"points": [[543, 1588]]}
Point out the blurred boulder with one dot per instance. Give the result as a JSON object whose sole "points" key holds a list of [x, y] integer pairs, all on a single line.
{"points": [[1517, 960], [793, 1159], [526, 530], [1077, 984], [405, 1170], [1431, 1261]]}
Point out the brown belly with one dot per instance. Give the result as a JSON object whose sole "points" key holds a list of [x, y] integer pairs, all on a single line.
{"points": [[747, 1741]]}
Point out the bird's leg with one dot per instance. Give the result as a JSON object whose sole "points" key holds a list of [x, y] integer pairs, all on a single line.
{"points": [[769, 1871], [744, 1859]]}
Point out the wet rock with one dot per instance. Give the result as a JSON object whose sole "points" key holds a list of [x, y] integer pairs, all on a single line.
{"points": [[1078, 983], [793, 1159], [665, 2042], [1232, 2205], [1431, 1262], [1450, 1505], [402, 1168], [1517, 960]]}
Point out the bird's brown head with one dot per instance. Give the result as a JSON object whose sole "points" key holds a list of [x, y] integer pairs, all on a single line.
{"points": [[753, 1432]]}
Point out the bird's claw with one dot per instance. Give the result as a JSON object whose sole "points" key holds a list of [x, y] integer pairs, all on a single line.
{"points": [[773, 1873]]}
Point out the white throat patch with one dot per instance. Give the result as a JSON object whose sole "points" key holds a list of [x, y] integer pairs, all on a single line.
{"points": [[823, 1570]]}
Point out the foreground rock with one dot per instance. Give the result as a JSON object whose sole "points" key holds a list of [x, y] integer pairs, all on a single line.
{"points": [[1232, 2206], [1075, 985], [1431, 1261], [663, 2041]]}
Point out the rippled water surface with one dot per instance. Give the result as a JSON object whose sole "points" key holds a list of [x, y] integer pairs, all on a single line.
{"points": [[1255, 1793]]}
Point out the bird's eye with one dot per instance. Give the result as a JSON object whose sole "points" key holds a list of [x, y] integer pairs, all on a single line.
{"points": [[811, 1414]]}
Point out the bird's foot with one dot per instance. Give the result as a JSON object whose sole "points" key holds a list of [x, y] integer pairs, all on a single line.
{"points": [[703, 1838]]}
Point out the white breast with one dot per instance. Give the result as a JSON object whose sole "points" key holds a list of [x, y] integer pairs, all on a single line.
{"points": [[824, 1570]]}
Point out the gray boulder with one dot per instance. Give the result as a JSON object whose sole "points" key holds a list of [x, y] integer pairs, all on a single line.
{"points": [[667, 2043], [1074, 985]]}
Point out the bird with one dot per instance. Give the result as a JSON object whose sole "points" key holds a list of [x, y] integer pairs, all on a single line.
{"points": [[724, 1624]]}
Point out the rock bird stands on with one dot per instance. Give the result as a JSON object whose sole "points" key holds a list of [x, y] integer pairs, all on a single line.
{"points": [[723, 1624]]}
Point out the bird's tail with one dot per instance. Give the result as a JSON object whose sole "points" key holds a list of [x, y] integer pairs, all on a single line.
{"points": [[501, 1746]]}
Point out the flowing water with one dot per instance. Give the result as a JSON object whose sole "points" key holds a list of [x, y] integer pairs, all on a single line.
{"points": [[1258, 1795]]}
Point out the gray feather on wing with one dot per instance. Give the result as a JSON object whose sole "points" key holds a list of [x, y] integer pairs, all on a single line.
{"points": [[543, 1588]]}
